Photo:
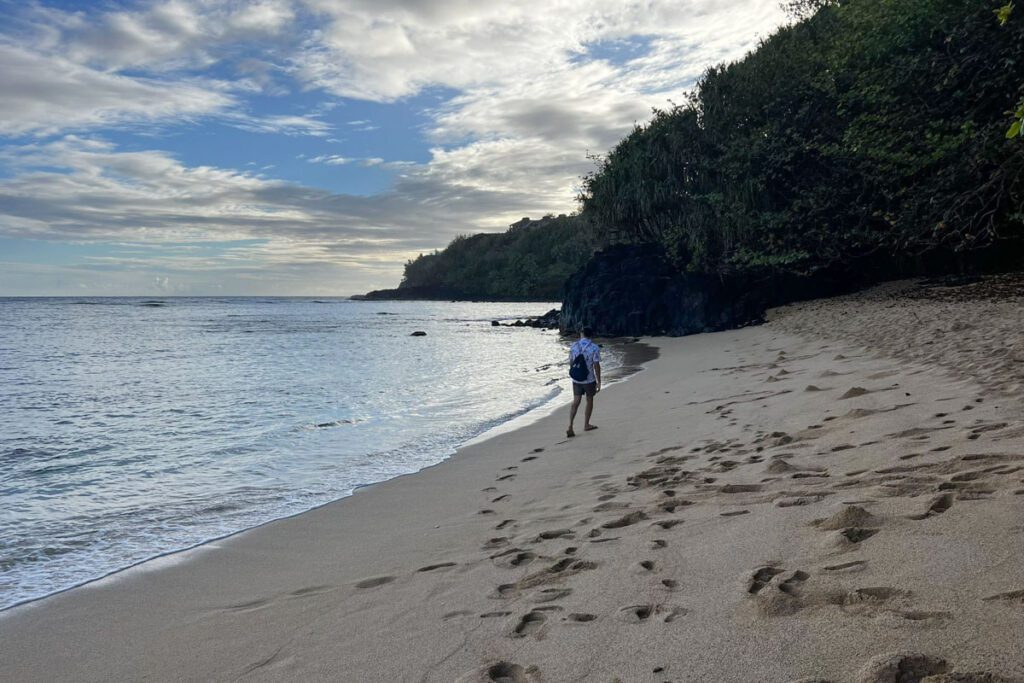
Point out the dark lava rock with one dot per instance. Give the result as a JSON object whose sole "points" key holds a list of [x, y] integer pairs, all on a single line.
{"points": [[548, 321], [629, 290]]}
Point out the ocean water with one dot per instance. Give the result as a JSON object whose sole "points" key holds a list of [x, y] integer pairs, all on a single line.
{"points": [[130, 428]]}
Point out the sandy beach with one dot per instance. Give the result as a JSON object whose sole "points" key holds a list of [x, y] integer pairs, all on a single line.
{"points": [[836, 495]]}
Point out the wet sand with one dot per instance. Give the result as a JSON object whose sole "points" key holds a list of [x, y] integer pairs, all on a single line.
{"points": [[815, 499]]}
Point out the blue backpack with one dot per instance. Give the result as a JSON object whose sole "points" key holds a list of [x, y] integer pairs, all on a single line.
{"points": [[578, 369]]}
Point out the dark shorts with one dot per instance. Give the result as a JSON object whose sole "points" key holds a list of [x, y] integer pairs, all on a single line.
{"points": [[589, 389]]}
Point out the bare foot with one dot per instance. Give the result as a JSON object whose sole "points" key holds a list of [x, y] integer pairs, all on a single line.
{"points": [[590, 428], [569, 433]]}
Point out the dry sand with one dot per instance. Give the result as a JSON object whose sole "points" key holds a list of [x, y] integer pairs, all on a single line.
{"points": [[778, 503]]}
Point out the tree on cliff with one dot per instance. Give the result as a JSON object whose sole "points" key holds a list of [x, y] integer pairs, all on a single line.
{"points": [[865, 127], [531, 260]]}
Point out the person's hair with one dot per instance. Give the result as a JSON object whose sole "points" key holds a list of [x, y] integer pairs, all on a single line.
{"points": [[587, 331]]}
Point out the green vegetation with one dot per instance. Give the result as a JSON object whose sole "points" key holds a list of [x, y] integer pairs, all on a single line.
{"points": [[531, 260], [866, 127]]}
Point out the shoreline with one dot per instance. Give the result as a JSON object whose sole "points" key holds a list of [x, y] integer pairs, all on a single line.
{"points": [[635, 354], [757, 505]]}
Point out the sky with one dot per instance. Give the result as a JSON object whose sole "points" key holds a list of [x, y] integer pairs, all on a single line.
{"points": [[312, 147]]}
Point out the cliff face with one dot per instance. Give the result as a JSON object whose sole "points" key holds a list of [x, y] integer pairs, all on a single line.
{"points": [[629, 290]]}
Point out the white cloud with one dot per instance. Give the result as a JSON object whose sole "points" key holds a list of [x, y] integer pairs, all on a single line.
{"points": [[531, 100], [282, 124], [330, 159], [85, 190], [528, 90], [44, 95], [168, 35]]}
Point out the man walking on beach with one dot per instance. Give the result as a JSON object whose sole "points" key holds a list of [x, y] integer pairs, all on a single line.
{"points": [[584, 354]]}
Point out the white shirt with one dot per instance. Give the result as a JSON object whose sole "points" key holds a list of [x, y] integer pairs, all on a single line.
{"points": [[591, 352]]}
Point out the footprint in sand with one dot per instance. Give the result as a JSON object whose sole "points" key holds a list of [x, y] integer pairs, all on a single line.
{"points": [[937, 507], [529, 458], [799, 501], [1016, 597], [913, 667], [504, 523], [846, 517], [310, 591], [522, 559], [791, 584], [375, 581], [552, 594], [496, 542], [581, 617], [902, 666], [740, 488], [776, 593], [639, 614], [647, 565], [625, 520], [506, 590], [506, 672], [514, 557], [530, 623], [507, 476], [432, 567], [857, 534], [671, 506], [761, 577], [674, 613], [456, 614], [854, 566], [559, 571], [554, 533], [636, 614]]}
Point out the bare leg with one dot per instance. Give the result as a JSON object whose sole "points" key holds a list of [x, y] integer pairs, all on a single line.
{"points": [[572, 414], [588, 413]]}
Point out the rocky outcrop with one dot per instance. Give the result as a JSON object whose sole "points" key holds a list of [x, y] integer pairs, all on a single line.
{"points": [[548, 321], [633, 290]]}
